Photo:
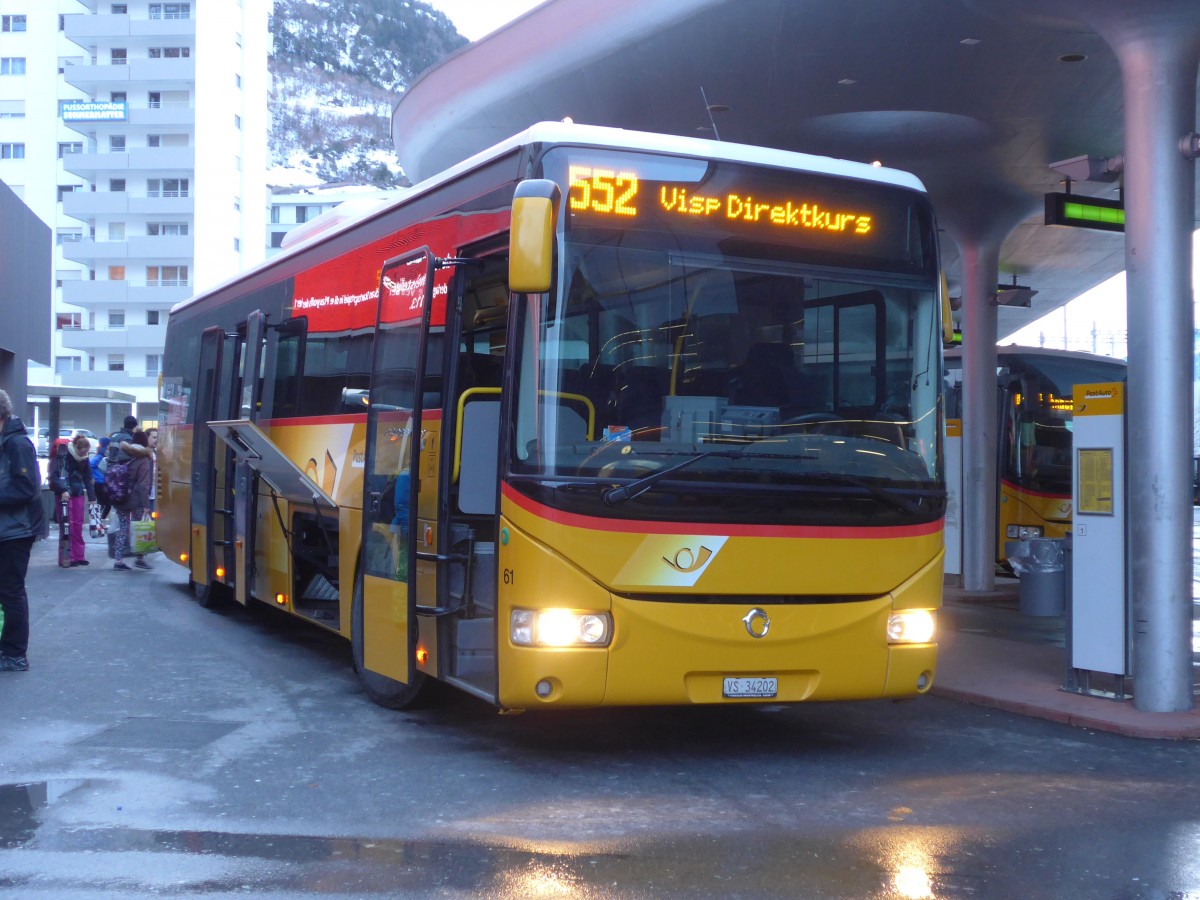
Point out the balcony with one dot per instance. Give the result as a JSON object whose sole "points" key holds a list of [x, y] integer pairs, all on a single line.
{"points": [[90, 78], [143, 338], [163, 28], [85, 30], [86, 293], [90, 252], [163, 158], [88, 204], [120, 381], [162, 247], [87, 165], [163, 296], [168, 114], [163, 72], [162, 206]]}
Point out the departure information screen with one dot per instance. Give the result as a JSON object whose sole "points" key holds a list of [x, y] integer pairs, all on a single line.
{"points": [[732, 207]]}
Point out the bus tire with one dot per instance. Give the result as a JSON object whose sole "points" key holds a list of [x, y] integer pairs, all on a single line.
{"points": [[385, 691]]}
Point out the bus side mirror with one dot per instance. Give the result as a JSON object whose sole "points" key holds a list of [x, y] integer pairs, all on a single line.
{"points": [[531, 249]]}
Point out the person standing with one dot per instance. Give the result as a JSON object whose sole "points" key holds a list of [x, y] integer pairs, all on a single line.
{"points": [[152, 443], [134, 506], [98, 482], [21, 522], [80, 492]]}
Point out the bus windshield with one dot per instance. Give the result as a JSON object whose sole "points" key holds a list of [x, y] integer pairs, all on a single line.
{"points": [[758, 385]]}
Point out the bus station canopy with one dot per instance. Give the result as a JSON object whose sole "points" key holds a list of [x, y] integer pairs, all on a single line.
{"points": [[976, 97]]}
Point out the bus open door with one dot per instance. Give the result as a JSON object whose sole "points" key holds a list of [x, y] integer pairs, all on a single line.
{"points": [[383, 618]]}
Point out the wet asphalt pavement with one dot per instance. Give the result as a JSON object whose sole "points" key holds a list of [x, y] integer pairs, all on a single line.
{"points": [[157, 749]]}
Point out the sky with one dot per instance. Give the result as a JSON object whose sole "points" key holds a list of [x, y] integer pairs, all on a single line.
{"points": [[1095, 321], [475, 18]]}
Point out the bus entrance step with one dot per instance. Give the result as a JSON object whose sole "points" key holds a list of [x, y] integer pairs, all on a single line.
{"points": [[319, 588]]}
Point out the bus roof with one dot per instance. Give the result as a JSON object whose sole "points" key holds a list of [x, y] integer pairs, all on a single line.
{"points": [[570, 133]]}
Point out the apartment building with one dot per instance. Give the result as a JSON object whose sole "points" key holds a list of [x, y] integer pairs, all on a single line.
{"points": [[150, 121]]}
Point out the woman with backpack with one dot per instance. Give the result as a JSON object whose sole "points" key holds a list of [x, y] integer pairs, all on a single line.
{"points": [[136, 499], [75, 475]]}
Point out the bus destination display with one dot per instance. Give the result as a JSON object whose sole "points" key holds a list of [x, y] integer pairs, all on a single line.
{"points": [[607, 192], [740, 209]]}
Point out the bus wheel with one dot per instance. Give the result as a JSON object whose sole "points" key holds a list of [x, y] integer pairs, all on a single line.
{"points": [[212, 595], [383, 690]]}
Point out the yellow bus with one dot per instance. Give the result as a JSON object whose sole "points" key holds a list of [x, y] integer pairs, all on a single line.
{"points": [[1033, 453], [593, 418]]}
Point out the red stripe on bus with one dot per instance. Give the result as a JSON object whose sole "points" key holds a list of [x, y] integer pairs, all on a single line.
{"points": [[595, 523], [1017, 489]]}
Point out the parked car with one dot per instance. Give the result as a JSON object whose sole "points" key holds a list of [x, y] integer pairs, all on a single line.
{"points": [[43, 438]]}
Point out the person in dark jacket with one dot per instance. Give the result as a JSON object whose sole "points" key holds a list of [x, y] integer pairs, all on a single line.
{"points": [[138, 501], [20, 525], [80, 493]]}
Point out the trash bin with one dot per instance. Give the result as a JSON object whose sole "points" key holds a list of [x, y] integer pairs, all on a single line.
{"points": [[1042, 589]]}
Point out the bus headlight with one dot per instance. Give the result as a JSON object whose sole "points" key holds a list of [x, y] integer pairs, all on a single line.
{"points": [[1023, 532], [911, 626], [560, 628]]}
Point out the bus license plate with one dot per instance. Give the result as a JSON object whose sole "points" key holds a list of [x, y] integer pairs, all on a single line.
{"points": [[751, 687]]}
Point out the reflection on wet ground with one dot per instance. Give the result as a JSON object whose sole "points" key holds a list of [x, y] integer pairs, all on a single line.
{"points": [[897, 862]]}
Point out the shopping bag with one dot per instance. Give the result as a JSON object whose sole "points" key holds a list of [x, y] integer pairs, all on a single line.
{"points": [[143, 537]]}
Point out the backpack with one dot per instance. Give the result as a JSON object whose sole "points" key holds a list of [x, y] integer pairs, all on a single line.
{"points": [[58, 475], [116, 483]]}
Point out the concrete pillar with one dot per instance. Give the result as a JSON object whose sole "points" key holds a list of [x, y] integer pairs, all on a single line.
{"points": [[1158, 65], [980, 272]]}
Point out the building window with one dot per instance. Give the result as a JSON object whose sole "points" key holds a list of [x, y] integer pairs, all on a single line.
{"points": [[116, 362], [116, 319], [68, 320], [170, 52], [116, 185], [164, 229], [12, 151], [154, 99], [12, 23], [154, 140], [116, 231], [116, 273], [116, 143], [64, 364], [166, 276], [277, 238], [66, 149], [237, 121], [170, 10], [274, 213], [152, 317], [12, 65], [64, 189], [120, 56], [166, 187], [68, 236], [12, 109], [119, 9], [118, 96], [153, 363]]}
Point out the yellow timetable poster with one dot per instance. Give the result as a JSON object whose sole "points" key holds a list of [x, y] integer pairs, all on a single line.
{"points": [[1096, 482]]}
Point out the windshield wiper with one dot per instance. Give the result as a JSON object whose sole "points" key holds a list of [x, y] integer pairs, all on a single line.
{"points": [[885, 495], [624, 492]]}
